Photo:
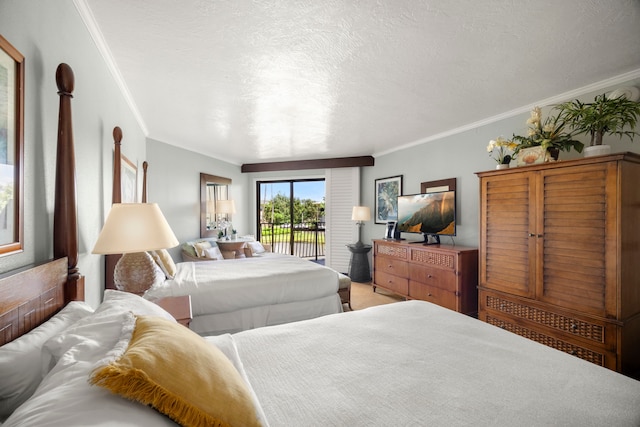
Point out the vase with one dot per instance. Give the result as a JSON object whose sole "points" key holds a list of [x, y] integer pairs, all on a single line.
{"points": [[596, 150], [532, 156], [502, 166]]}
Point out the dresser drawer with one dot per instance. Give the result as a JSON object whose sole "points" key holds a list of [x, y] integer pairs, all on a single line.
{"points": [[399, 285], [434, 294], [433, 258], [392, 251], [600, 333], [391, 266], [593, 355], [443, 279]]}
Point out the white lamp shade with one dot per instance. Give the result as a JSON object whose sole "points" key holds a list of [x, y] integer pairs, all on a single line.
{"points": [[361, 213], [134, 227], [225, 207]]}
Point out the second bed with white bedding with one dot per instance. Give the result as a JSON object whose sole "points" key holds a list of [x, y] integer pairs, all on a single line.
{"points": [[240, 294]]}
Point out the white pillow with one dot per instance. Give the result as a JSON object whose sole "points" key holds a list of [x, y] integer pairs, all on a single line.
{"points": [[213, 253], [22, 360], [200, 247], [256, 247], [65, 397], [102, 328]]}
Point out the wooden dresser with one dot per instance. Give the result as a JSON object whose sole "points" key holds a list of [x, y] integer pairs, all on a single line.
{"points": [[444, 275], [560, 256]]}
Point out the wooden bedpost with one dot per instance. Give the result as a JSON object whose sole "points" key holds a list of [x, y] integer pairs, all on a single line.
{"points": [[110, 261], [116, 189], [65, 224], [145, 165]]}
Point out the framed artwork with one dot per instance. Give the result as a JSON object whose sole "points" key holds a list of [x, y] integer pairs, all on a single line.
{"points": [[387, 192], [11, 147], [439, 185], [448, 184], [129, 180]]}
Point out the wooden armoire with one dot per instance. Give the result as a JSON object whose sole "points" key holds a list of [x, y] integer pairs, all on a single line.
{"points": [[560, 256]]}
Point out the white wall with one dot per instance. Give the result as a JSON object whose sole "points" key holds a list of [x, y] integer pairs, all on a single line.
{"points": [[48, 33]]}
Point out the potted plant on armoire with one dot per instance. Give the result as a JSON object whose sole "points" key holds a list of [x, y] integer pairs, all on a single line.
{"points": [[615, 114]]}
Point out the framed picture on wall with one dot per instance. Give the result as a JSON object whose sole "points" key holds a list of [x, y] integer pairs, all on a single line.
{"points": [[129, 180], [439, 185], [11, 147], [387, 191]]}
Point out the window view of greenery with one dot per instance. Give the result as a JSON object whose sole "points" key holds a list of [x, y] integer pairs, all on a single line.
{"points": [[291, 217]]}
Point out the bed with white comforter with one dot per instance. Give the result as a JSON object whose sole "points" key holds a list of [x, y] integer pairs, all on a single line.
{"points": [[402, 364], [239, 294]]}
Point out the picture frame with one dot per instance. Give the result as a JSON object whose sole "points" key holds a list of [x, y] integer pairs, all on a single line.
{"points": [[448, 184], [11, 148], [128, 180], [386, 193]]}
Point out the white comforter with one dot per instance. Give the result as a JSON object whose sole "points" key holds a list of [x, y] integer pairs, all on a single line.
{"points": [[417, 364], [236, 284], [403, 364]]}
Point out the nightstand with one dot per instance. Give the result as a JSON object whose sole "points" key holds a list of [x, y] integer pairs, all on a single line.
{"points": [[178, 307], [359, 265]]}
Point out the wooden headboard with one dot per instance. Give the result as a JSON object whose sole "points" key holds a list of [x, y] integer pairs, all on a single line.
{"points": [[31, 295]]}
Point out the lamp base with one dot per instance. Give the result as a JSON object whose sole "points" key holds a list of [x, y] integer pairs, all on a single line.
{"points": [[136, 272]]}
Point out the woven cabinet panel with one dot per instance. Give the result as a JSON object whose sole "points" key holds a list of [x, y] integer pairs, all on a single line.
{"points": [[393, 251], [433, 258], [581, 352], [574, 326]]}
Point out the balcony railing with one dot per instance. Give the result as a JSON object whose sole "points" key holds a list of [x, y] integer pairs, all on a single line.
{"points": [[305, 240]]}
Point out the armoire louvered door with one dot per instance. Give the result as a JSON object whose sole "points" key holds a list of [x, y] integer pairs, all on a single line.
{"points": [[560, 256]]}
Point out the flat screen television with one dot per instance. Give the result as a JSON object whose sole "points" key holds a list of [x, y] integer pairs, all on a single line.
{"points": [[429, 214]]}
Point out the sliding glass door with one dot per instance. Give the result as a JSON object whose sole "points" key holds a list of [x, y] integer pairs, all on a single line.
{"points": [[290, 216]]}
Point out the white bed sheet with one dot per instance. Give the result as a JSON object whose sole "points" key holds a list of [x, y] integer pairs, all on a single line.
{"points": [[236, 284], [265, 315], [415, 363]]}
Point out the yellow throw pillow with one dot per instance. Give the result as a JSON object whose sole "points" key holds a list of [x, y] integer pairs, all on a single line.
{"points": [[164, 260], [175, 371]]}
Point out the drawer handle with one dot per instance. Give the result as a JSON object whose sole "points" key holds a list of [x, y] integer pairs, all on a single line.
{"points": [[574, 327], [429, 276], [429, 294], [573, 353]]}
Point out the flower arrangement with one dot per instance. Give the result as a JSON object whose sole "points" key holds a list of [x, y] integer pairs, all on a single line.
{"points": [[501, 150], [549, 133]]}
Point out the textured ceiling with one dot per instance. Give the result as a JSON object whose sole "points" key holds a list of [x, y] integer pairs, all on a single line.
{"points": [[257, 81]]}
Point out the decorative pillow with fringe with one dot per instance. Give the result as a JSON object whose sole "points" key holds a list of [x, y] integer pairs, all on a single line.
{"points": [[175, 371]]}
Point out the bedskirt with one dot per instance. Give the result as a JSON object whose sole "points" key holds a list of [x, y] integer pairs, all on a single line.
{"points": [[266, 315]]}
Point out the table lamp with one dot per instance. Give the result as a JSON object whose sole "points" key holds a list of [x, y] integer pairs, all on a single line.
{"points": [[360, 214], [132, 229]]}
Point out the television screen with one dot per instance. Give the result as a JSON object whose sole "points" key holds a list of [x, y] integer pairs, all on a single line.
{"points": [[430, 213]]}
